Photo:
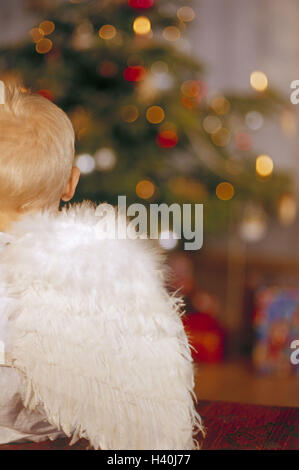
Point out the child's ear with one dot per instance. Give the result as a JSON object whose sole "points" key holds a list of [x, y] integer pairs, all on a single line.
{"points": [[71, 186]]}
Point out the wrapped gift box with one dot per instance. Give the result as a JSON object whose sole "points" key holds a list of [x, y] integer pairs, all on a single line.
{"points": [[276, 325]]}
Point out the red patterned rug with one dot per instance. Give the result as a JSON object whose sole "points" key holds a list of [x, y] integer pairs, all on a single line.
{"points": [[229, 426]]}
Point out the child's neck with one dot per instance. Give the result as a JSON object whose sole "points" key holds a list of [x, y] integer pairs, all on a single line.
{"points": [[7, 219]]}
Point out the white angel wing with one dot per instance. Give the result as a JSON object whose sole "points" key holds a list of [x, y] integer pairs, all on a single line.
{"points": [[97, 336]]}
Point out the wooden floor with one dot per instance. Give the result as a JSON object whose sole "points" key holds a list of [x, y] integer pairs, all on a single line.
{"points": [[236, 382]]}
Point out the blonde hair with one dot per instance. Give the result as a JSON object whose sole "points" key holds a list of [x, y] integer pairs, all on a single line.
{"points": [[36, 151]]}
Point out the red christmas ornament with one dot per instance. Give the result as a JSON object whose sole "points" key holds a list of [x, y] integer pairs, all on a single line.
{"points": [[167, 139], [141, 4], [134, 73], [206, 336], [46, 94]]}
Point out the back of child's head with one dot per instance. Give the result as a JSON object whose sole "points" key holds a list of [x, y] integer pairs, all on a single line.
{"points": [[36, 151]]}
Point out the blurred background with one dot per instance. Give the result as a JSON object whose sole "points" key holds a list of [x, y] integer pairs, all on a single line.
{"points": [[183, 101]]}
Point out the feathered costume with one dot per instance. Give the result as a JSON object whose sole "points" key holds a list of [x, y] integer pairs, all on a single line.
{"points": [[98, 340]]}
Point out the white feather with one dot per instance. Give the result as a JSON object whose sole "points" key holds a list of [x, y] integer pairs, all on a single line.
{"points": [[98, 338]]}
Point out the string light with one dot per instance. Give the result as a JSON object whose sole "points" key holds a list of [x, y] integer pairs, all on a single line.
{"points": [[107, 32], [225, 191], [190, 88], [211, 124], [171, 33], [155, 114], [86, 163], [105, 159], [47, 27], [253, 227], [141, 4], [186, 14], [259, 80], [36, 34], [129, 113], [142, 25], [134, 73], [264, 165], [167, 138], [287, 209], [145, 189], [288, 123], [254, 120], [221, 137], [220, 105], [44, 46]]}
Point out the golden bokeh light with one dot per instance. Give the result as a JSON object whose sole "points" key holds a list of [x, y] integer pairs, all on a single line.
{"points": [[155, 114], [211, 124], [190, 88], [186, 14], [220, 105], [171, 33], [287, 209], [43, 46], [47, 27], [225, 191], [142, 25], [264, 165], [259, 80], [221, 137], [107, 32], [145, 189], [129, 113], [36, 34]]}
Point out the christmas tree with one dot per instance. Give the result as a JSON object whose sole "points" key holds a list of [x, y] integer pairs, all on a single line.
{"points": [[146, 125]]}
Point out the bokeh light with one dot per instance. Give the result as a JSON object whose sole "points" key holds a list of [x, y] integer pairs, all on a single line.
{"points": [[86, 163], [105, 159], [253, 227], [220, 105], [186, 14], [211, 124], [167, 138], [129, 113], [254, 120], [36, 34], [44, 46], [47, 27], [264, 165], [107, 32], [259, 80], [145, 189], [221, 137], [190, 88], [141, 4], [134, 73], [155, 114], [142, 25], [171, 33], [225, 191], [287, 209]]}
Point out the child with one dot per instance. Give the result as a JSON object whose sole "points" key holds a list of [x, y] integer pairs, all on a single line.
{"points": [[94, 344]]}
